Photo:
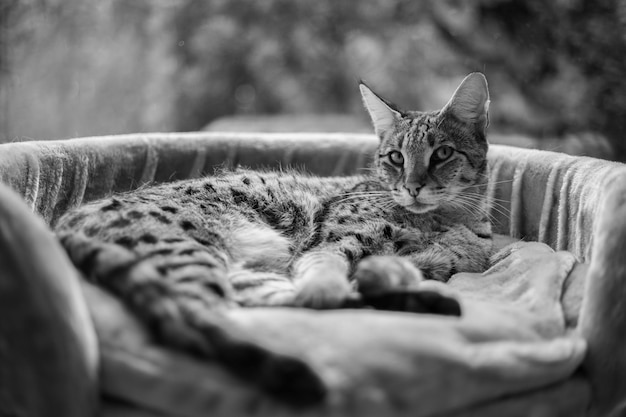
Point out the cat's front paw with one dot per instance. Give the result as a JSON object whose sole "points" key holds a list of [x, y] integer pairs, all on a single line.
{"points": [[378, 274], [324, 291], [393, 283]]}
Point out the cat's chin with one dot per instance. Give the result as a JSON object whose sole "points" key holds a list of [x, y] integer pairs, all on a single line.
{"points": [[419, 208]]}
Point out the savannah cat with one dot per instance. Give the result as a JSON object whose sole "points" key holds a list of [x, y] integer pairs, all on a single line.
{"points": [[179, 254]]}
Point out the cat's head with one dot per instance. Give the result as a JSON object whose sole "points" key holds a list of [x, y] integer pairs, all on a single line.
{"points": [[432, 159]]}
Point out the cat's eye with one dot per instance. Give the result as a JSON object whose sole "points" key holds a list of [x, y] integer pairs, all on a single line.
{"points": [[396, 157], [442, 153]]}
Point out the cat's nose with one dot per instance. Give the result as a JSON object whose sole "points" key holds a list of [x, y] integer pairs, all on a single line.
{"points": [[413, 188]]}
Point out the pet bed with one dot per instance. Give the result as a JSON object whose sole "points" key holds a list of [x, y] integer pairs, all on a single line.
{"points": [[523, 347]]}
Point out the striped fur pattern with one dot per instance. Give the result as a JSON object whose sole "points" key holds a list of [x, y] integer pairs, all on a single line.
{"points": [[180, 254]]}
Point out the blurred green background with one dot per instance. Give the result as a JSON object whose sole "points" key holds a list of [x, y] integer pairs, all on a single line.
{"points": [[69, 68]]}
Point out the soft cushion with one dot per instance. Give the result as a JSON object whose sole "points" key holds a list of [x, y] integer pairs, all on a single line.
{"points": [[511, 339]]}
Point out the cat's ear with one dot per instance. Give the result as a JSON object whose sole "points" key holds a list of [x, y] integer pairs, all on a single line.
{"points": [[382, 114], [470, 101]]}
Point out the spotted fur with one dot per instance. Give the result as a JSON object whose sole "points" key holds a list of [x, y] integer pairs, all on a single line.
{"points": [[180, 254]]}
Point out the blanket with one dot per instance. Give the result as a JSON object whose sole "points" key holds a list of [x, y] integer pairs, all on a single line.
{"points": [[511, 339]]}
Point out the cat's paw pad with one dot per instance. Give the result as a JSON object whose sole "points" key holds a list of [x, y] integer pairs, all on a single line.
{"points": [[322, 292], [378, 274]]}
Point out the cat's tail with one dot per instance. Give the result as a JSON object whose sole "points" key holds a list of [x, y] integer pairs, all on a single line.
{"points": [[189, 315]]}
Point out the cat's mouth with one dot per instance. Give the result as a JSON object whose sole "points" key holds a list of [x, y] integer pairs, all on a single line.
{"points": [[415, 205]]}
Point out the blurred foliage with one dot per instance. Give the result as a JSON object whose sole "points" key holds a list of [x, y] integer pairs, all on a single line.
{"points": [[80, 67], [562, 60]]}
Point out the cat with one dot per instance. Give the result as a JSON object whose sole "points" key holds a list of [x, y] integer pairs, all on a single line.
{"points": [[180, 254]]}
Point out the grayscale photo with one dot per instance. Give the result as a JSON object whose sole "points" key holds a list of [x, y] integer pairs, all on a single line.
{"points": [[312, 208]]}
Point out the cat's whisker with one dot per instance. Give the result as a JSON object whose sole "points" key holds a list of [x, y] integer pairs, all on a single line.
{"points": [[478, 206], [488, 174], [386, 199], [388, 206], [480, 196], [358, 197], [384, 206], [500, 200], [490, 183], [384, 203], [474, 205], [365, 192], [493, 204], [498, 204], [364, 195], [459, 205], [501, 212], [489, 209]]}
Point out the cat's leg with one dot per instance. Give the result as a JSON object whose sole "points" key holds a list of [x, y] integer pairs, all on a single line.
{"points": [[389, 282], [321, 279], [458, 250], [179, 288], [261, 288], [322, 276]]}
